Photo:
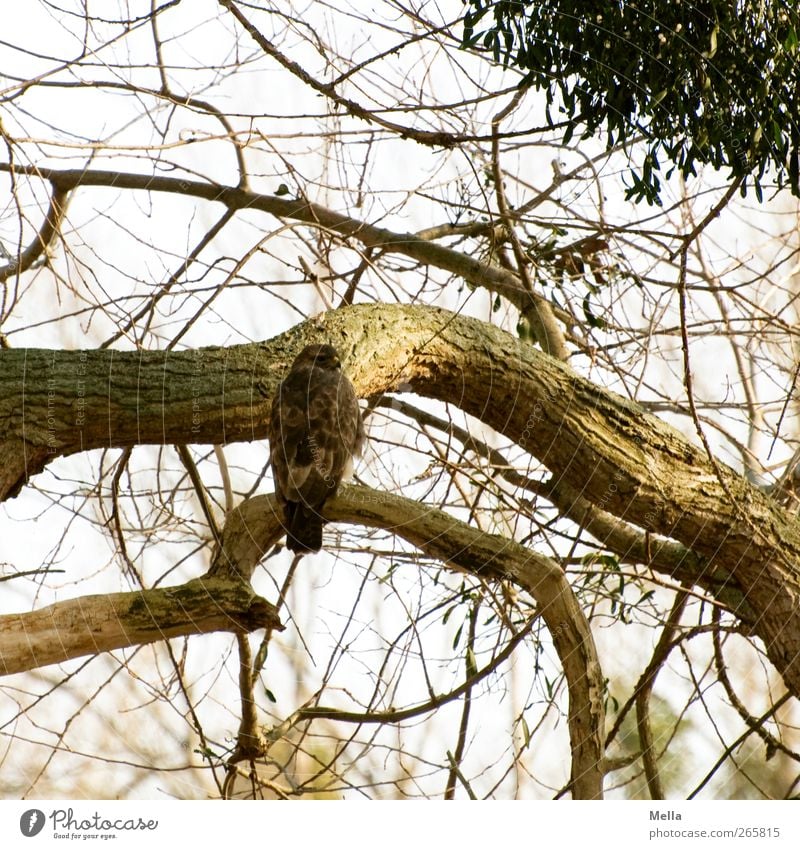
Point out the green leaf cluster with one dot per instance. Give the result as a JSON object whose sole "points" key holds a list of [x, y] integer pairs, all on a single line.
{"points": [[706, 82]]}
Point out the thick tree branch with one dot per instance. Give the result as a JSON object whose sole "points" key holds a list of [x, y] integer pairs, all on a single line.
{"points": [[618, 536], [605, 448], [98, 623], [224, 601], [492, 277], [255, 526]]}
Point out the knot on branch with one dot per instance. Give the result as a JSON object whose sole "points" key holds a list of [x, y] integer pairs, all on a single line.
{"points": [[260, 614]]}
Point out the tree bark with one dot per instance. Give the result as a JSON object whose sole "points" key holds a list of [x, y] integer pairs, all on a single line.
{"points": [[97, 623], [604, 447], [255, 526], [223, 601]]}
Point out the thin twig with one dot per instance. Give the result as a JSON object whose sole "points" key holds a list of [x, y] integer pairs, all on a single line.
{"points": [[455, 770], [200, 491], [461, 742]]}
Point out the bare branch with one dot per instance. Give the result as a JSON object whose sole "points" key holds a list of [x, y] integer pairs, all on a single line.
{"points": [[98, 623], [41, 241], [484, 555]]}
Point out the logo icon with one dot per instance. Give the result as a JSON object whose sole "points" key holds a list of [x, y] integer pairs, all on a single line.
{"points": [[31, 822]]}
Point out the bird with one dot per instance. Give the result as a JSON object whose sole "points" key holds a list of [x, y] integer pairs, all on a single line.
{"points": [[315, 430]]}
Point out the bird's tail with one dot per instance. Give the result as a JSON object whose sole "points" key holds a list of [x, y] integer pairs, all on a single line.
{"points": [[303, 528]]}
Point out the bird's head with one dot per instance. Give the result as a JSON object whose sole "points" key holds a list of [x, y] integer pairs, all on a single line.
{"points": [[320, 356]]}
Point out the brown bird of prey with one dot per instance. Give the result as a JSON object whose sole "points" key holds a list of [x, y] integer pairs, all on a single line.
{"points": [[315, 429]]}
